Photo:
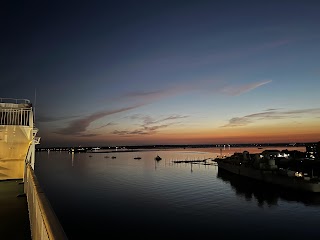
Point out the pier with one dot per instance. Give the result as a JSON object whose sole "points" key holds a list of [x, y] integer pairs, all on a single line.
{"points": [[194, 161]]}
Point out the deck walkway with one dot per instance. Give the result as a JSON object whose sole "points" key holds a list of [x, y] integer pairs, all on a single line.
{"points": [[14, 218]]}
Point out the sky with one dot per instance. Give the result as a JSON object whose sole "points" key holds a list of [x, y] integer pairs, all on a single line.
{"points": [[103, 73]]}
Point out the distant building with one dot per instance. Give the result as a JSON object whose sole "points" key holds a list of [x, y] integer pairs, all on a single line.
{"points": [[313, 150], [246, 155], [270, 154]]}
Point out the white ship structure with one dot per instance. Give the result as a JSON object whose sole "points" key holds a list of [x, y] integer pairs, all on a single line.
{"points": [[18, 137]]}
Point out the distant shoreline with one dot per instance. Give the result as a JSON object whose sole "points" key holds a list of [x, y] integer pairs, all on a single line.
{"points": [[288, 144], [225, 149]]}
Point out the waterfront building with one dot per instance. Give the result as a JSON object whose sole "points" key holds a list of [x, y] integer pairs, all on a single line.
{"points": [[313, 150]]}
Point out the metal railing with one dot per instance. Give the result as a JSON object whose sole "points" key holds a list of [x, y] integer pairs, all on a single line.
{"points": [[14, 100], [15, 116], [44, 224]]}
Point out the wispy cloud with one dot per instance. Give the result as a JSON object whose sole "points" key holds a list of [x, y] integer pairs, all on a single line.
{"points": [[141, 131], [146, 97], [229, 89], [106, 125], [147, 120], [45, 119], [240, 89], [149, 125], [79, 126], [88, 135], [270, 115]]}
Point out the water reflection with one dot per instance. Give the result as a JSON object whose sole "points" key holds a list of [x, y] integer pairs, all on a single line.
{"points": [[265, 194], [72, 159], [159, 199]]}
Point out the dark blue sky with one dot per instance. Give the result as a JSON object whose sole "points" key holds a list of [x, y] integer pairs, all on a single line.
{"points": [[134, 72]]}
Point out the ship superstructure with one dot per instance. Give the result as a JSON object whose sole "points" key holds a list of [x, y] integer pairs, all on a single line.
{"points": [[17, 137], [17, 156]]}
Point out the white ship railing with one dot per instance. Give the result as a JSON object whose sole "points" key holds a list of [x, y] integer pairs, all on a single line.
{"points": [[20, 116], [37, 140], [44, 223], [14, 100]]}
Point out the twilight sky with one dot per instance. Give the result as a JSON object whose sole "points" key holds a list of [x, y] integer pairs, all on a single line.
{"points": [[164, 72]]}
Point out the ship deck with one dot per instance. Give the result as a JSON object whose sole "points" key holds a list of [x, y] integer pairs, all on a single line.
{"points": [[14, 218]]}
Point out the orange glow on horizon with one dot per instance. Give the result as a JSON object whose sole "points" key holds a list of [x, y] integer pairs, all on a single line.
{"points": [[279, 133]]}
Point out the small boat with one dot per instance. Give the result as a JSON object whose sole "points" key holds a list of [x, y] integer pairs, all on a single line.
{"points": [[137, 158], [114, 157], [95, 149], [157, 158], [77, 150]]}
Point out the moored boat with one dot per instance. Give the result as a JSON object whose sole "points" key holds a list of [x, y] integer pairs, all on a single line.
{"points": [[77, 150], [264, 169]]}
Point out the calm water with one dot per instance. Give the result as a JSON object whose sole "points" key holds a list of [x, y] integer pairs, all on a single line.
{"points": [[124, 197]]}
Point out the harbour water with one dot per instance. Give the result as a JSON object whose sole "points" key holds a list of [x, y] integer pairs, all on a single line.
{"points": [[95, 195]]}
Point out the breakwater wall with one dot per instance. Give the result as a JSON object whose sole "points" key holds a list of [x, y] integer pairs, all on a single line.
{"points": [[44, 224]]}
